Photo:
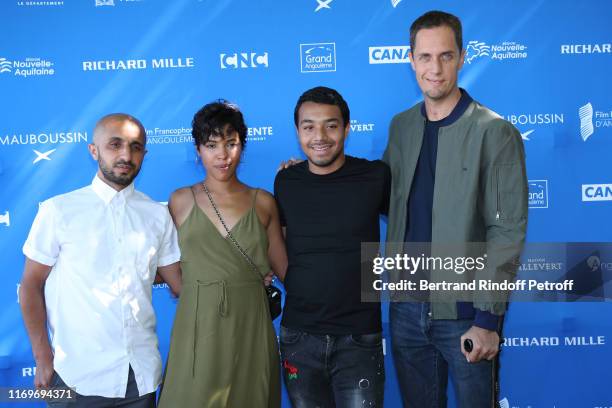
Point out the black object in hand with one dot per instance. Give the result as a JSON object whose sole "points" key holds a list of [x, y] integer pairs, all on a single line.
{"points": [[468, 345]]}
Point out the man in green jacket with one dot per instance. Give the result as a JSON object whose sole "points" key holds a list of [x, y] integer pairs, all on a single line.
{"points": [[458, 178]]}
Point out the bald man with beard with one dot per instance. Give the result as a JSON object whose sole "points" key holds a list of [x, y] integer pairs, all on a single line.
{"points": [[91, 257]]}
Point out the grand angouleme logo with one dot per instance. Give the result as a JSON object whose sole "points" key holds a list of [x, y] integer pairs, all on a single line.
{"points": [[318, 57], [139, 64], [538, 193], [506, 50], [27, 67]]}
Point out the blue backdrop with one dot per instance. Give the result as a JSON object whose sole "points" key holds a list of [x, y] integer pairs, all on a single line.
{"points": [[543, 65]]}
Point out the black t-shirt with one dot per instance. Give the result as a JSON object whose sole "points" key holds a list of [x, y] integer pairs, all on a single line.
{"points": [[327, 218]]}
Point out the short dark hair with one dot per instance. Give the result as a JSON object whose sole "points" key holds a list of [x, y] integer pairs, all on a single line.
{"points": [[433, 19], [218, 118], [327, 96]]}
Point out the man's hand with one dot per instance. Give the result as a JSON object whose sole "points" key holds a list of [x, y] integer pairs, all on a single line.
{"points": [[44, 371], [485, 344], [268, 278], [286, 164]]}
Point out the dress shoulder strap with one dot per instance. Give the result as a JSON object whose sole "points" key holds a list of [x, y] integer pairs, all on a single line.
{"points": [[254, 197]]}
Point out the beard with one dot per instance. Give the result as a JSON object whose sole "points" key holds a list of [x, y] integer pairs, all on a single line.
{"points": [[122, 180]]}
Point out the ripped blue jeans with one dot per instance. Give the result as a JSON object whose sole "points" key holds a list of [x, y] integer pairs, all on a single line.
{"points": [[327, 371]]}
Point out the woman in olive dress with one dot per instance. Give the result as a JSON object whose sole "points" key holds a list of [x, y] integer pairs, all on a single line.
{"points": [[223, 351]]}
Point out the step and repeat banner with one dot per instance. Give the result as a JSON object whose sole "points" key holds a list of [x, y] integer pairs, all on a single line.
{"points": [[543, 65]]}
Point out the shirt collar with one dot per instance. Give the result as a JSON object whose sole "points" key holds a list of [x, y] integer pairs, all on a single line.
{"points": [[455, 114], [107, 193]]}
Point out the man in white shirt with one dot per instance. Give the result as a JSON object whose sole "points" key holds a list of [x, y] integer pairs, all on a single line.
{"points": [[91, 257]]}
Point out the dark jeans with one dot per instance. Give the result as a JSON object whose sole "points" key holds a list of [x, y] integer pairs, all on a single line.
{"points": [[333, 371], [424, 350], [131, 400]]}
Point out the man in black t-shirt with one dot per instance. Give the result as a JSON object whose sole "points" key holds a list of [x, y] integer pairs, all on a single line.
{"points": [[331, 341]]}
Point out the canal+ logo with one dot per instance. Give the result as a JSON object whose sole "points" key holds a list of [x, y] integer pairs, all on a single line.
{"points": [[597, 192], [392, 54]]}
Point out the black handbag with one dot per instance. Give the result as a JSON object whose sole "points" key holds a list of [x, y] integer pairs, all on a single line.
{"points": [[273, 293]]}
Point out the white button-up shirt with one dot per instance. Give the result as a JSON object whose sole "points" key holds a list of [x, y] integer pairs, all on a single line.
{"points": [[104, 247]]}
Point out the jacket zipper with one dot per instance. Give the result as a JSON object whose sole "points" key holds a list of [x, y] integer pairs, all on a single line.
{"points": [[497, 214]]}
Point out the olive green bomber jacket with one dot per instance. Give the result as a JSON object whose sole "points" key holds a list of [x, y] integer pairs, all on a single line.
{"points": [[480, 192]]}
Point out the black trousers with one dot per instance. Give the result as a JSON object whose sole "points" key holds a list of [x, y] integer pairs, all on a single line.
{"points": [[131, 400]]}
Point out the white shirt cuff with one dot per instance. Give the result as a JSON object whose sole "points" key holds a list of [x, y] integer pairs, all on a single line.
{"points": [[37, 256]]}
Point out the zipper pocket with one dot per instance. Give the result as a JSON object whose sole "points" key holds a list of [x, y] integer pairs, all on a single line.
{"points": [[497, 193]]}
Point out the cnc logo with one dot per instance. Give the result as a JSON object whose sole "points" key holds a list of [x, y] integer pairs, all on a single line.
{"points": [[5, 219], [243, 60], [597, 192], [507, 50], [319, 57], [323, 4], [394, 54], [538, 193]]}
